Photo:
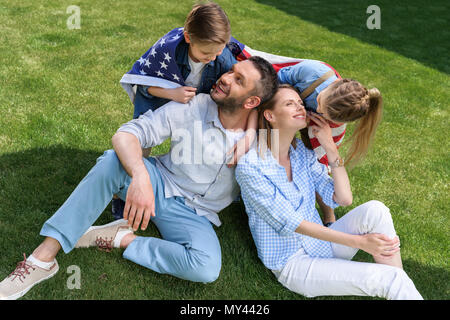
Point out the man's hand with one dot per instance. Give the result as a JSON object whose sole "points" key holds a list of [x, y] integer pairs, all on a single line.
{"points": [[140, 201]]}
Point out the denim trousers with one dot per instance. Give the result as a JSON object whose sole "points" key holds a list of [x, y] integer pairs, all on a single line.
{"points": [[339, 276], [189, 248]]}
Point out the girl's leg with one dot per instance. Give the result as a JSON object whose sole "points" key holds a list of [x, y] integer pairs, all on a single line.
{"points": [[327, 212]]}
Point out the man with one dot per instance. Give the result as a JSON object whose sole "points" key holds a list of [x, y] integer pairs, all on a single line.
{"points": [[181, 192]]}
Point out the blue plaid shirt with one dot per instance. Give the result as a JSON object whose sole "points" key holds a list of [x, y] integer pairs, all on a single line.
{"points": [[276, 207]]}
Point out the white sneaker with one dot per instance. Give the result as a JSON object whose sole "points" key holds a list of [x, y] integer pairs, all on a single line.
{"points": [[23, 278], [103, 236]]}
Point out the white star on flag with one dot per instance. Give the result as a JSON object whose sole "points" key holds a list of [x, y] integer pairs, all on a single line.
{"points": [[176, 37], [175, 77], [147, 63], [153, 52], [163, 65], [163, 40], [167, 56], [159, 73], [142, 72], [141, 60]]}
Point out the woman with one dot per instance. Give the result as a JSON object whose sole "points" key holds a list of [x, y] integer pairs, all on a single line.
{"points": [[278, 182], [339, 101]]}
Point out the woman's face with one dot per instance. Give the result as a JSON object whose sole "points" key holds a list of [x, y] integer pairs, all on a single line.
{"points": [[288, 111]]}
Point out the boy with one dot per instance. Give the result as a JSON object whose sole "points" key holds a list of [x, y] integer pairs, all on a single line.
{"points": [[184, 62]]}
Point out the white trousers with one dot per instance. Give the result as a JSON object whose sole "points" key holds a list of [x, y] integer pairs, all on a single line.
{"points": [[339, 276]]}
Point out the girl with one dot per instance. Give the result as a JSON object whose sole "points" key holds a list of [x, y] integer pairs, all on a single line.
{"points": [[339, 101], [278, 189]]}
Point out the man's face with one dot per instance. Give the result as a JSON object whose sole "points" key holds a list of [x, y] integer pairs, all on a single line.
{"points": [[235, 86]]}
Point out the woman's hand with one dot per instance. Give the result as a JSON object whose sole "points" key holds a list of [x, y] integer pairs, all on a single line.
{"points": [[379, 245]]}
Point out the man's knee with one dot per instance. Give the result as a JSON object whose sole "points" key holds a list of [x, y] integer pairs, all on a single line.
{"points": [[205, 268], [108, 161]]}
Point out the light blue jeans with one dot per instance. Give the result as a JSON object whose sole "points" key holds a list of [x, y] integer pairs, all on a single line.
{"points": [[189, 248]]}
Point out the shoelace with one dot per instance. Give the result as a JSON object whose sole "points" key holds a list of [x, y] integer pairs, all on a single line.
{"points": [[22, 269], [104, 244]]}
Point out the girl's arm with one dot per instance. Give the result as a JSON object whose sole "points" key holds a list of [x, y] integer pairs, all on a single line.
{"points": [[376, 244]]}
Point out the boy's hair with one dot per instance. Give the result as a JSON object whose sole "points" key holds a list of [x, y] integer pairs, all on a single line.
{"points": [[267, 86], [207, 22]]}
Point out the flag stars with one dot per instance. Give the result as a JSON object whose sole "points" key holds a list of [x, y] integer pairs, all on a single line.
{"points": [[167, 57], [153, 52], [162, 42], [159, 73], [175, 77], [141, 60], [163, 65], [147, 63]]}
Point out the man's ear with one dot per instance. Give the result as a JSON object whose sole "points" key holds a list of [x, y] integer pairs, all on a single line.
{"points": [[186, 37], [252, 102]]}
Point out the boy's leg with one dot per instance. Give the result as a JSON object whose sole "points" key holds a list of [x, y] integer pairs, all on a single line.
{"points": [[328, 213]]}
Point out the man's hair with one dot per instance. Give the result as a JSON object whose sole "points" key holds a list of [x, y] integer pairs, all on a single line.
{"points": [[267, 86], [207, 22]]}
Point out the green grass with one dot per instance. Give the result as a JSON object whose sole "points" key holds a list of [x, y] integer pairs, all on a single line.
{"points": [[60, 103]]}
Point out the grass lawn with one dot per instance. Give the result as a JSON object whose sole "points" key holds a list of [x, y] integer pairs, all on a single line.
{"points": [[61, 101]]}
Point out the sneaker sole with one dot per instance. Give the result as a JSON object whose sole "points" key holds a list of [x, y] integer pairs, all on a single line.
{"points": [[24, 291]]}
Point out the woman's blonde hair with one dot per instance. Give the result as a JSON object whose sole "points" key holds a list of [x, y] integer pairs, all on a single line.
{"points": [[265, 136], [347, 100]]}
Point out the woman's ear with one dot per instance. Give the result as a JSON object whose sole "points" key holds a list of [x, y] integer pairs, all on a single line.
{"points": [[252, 102], [268, 115]]}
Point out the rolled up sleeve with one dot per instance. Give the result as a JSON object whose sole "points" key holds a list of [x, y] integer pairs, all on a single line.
{"points": [[154, 127]]}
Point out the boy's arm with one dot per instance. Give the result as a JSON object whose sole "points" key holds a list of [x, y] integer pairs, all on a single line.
{"points": [[180, 94]]}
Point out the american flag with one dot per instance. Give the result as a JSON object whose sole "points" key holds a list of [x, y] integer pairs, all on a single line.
{"points": [[158, 67]]}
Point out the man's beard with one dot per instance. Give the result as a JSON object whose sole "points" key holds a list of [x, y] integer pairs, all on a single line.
{"points": [[229, 104]]}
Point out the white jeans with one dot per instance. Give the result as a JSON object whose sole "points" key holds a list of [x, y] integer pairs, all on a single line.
{"points": [[339, 276]]}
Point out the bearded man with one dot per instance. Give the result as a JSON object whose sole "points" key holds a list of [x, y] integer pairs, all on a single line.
{"points": [[183, 199]]}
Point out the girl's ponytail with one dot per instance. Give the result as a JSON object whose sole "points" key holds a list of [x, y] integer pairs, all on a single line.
{"points": [[349, 101], [366, 127]]}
